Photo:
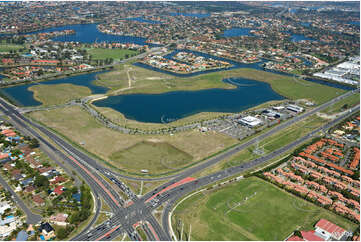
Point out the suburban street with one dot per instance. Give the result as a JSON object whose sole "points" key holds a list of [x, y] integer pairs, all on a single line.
{"points": [[31, 218]]}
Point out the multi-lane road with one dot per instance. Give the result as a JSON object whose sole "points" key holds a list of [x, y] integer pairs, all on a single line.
{"points": [[141, 209]]}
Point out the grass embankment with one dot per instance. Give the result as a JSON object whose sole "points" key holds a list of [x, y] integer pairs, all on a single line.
{"points": [[119, 118], [268, 214], [348, 101], [148, 81], [59, 93], [115, 54], [78, 126]]}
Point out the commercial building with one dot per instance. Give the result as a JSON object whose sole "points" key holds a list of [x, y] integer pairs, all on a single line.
{"points": [[250, 121]]}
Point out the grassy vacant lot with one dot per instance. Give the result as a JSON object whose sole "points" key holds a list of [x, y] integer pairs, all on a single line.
{"points": [[337, 107], [116, 54], [270, 214], [147, 81], [59, 93], [79, 126], [152, 155]]}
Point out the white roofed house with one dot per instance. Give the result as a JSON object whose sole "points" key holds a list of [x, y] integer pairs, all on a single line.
{"points": [[4, 206]]}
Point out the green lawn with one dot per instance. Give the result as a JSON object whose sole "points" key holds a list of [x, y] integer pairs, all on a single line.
{"points": [[59, 93], [268, 214], [153, 156], [116, 54]]}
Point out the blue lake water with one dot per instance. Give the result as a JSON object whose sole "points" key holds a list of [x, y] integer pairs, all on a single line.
{"points": [[22, 96], [88, 33], [235, 32], [142, 20], [154, 108], [355, 23], [299, 37], [305, 24], [196, 15]]}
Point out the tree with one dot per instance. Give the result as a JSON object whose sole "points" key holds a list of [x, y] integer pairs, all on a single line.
{"points": [[41, 181], [34, 143]]}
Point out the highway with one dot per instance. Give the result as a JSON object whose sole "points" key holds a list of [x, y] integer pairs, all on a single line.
{"points": [[124, 218]]}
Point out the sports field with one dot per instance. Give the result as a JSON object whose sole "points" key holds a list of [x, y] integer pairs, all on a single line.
{"points": [[59, 93], [181, 148], [268, 214], [115, 54]]}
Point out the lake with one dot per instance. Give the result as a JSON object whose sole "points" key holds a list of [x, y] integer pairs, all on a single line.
{"points": [[88, 33], [235, 32], [299, 37], [22, 96], [154, 108]]}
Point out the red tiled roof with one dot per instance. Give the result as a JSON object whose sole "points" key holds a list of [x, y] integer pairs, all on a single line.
{"points": [[310, 236], [58, 190], [295, 238]]}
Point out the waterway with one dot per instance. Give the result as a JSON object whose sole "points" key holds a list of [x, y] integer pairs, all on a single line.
{"points": [[155, 108], [235, 32], [299, 37], [22, 96], [88, 33]]}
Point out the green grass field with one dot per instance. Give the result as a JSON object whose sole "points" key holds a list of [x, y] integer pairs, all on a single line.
{"points": [[59, 93], [116, 54], [151, 156], [268, 214], [8, 47]]}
